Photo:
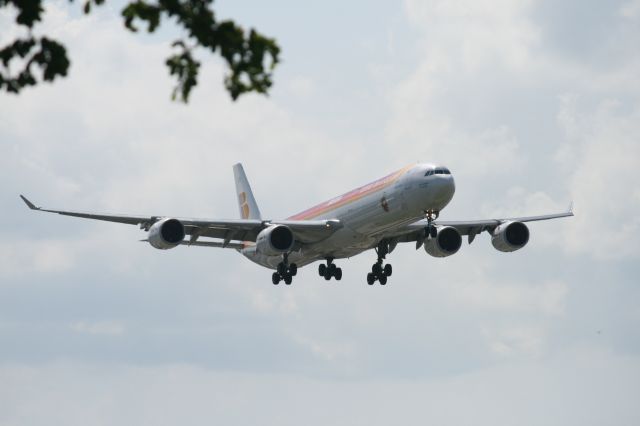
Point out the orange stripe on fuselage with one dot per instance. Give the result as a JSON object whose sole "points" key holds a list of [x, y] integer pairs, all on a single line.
{"points": [[350, 196]]}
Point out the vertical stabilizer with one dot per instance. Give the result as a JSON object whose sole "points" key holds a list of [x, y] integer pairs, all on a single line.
{"points": [[246, 202]]}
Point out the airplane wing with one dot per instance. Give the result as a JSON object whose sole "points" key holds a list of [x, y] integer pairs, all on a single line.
{"points": [[304, 231], [416, 231]]}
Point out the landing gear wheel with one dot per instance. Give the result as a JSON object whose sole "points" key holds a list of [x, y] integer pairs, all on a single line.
{"points": [[371, 278], [379, 271], [376, 269], [329, 270], [322, 269], [338, 274], [285, 271], [282, 268], [388, 270]]}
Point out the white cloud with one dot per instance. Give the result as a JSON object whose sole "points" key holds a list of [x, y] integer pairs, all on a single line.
{"points": [[475, 34], [603, 149], [19, 258], [516, 341], [109, 328], [631, 9], [302, 87], [486, 292], [603, 385], [437, 111]]}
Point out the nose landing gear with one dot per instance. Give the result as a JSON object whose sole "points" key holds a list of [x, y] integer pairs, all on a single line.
{"points": [[284, 271], [330, 270], [380, 272], [431, 230]]}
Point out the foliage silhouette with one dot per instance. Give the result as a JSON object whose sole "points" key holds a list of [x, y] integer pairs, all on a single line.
{"points": [[250, 56]]}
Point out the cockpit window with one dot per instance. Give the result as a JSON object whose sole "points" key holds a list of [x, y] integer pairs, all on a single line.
{"points": [[438, 171]]}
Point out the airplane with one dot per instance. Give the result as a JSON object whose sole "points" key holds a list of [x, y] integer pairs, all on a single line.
{"points": [[402, 207]]}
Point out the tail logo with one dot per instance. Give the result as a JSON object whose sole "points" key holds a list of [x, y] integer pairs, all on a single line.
{"points": [[244, 206]]}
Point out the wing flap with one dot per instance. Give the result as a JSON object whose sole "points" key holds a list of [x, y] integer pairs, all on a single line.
{"points": [[311, 231], [232, 245]]}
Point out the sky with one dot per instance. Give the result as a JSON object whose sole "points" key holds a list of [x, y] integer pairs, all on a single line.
{"points": [[532, 104]]}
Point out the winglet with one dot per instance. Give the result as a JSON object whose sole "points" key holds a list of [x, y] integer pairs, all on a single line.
{"points": [[29, 203], [571, 208]]}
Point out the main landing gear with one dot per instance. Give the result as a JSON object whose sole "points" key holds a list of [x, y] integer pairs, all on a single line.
{"points": [[380, 272], [285, 271], [330, 270]]}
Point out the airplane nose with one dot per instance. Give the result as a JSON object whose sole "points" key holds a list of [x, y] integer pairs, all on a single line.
{"points": [[448, 188], [445, 188], [451, 184]]}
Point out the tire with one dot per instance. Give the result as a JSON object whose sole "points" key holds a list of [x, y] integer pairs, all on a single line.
{"points": [[388, 269], [288, 279], [275, 278], [376, 269], [338, 274], [371, 278], [293, 269], [332, 269], [383, 280], [281, 269], [327, 275], [322, 268]]}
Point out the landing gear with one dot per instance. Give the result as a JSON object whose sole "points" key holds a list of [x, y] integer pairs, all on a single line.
{"points": [[432, 215], [284, 271], [380, 272], [330, 270]]}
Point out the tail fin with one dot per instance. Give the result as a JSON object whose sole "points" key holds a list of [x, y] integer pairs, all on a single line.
{"points": [[246, 202]]}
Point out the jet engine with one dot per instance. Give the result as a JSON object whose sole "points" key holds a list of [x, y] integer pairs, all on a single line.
{"points": [[275, 240], [446, 243], [166, 233], [510, 236]]}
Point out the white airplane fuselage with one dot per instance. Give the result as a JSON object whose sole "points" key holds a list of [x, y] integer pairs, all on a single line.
{"points": [[368, 212]]}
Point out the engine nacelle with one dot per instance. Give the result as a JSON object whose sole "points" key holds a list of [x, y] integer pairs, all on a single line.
{"points": [[274, 240], [446, 243], [166, 233], [510, 236]]}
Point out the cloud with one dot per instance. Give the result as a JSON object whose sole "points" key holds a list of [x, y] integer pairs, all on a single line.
{"points": [[109, 328], [603, 150], [19, 258], [631, 9], [512, 341], [487, 293], [602, 384]]}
